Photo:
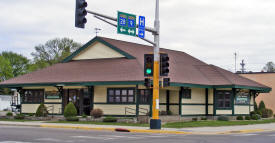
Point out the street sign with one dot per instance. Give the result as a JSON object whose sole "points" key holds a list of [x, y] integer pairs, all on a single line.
{"points": [[126, 23], [141, 27]]}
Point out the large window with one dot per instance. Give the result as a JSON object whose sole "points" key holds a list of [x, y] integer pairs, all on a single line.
{"points": [[121, 95], [224, 99], [144, 96], [33, 96]]}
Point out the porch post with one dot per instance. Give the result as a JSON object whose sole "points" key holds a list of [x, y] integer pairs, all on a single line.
{"points": [[137, 100], [91, 93], [167, 100], [214, 103], [180, 100], [233, 100], [206, 102]]}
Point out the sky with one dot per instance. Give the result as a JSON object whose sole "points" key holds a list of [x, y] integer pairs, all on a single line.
{"points": [[210, 30]]}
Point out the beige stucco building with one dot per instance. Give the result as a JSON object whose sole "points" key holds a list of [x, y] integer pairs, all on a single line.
{"points": [[267, 79]]}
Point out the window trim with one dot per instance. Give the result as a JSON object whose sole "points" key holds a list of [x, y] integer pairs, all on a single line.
{"points": [[149, 96], [114, 96]]}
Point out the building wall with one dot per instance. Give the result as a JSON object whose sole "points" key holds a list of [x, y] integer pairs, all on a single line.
{"points": [[267, 79], [197, 104], [98, 51]]}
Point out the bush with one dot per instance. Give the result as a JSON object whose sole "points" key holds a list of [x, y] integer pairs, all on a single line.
{"points": [[41, 111], [73, 118], [30, 114], [97, 113], [19, 116], [9, 114], [194, 119], [252, 113], [261, 105], [110, 119], [247, 118], [223, 118], [239, 117], [70, 110], [84, 116], [266, 113], [203, 118], [169, 112], [255, 106], [259, 112], [256, 117]]}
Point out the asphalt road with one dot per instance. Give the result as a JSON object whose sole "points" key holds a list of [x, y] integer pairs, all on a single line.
{"points": [[13, 134]]}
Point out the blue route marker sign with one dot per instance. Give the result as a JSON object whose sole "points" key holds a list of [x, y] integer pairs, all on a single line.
{"points": [[141, 27], [126, 23]]}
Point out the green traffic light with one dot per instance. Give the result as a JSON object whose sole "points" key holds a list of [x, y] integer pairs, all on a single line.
{"points": [[148, 71]]}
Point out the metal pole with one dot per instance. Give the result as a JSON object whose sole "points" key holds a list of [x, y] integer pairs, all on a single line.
{"points": [[155, 122]]}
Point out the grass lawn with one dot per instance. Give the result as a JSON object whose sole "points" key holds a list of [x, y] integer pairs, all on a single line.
{"points": [[101, 123], [214, 123]]}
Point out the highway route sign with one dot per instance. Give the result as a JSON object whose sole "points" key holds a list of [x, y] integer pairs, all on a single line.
{"points": [[126, 23]]}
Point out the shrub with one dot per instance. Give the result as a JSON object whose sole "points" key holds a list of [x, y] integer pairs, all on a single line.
{"points": [[70, 110], [259, 112], [97, 113], [30, 114], [261, 105], [256, 117], [169, 112], [41, 111], [255, 106], [239, 117], [223, 118], [163, 113], [252, 112], [19, 116], [247, 118], [110, 119], [72, 118], [266, 113], [9, 114], [84, 116], [203, 118], [194, 119]]}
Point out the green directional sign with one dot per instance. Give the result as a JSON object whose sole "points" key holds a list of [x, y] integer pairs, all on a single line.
{"points": [[126, 23]]}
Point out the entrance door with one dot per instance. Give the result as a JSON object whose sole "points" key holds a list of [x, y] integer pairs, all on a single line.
{"points": [[80, 98]]}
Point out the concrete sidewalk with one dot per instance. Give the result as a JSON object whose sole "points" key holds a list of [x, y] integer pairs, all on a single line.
{"points": [[196, 130]]}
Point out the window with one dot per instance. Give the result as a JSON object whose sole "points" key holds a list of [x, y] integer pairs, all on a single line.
{"points": [[144, 95], [121, 95], [33, 96], [186, 93], [223, 99]]}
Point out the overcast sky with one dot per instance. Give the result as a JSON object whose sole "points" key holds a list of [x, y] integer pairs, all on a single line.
{"points": [[210, 30]]}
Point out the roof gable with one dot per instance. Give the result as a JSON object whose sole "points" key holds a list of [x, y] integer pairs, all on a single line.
{"points": [[97, 48]]}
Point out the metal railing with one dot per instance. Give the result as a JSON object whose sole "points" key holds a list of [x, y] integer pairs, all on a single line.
{"points": [[133, 111]]}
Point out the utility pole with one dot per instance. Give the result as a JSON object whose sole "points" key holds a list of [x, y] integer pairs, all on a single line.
{"points": [[242, 64], [235, 54], [155, 122]]}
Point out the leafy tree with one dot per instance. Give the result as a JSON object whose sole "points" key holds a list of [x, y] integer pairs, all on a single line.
{"points": [[19, 63], [52, 52], [261, 106], [269, 67], [5, 69]]}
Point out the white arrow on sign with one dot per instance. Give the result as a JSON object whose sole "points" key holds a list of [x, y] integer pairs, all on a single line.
{"points": [[131, 31], [122, 30]]}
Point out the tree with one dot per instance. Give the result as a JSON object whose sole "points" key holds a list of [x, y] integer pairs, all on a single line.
{"points": [[5, 69], [19, 63], [261, 105], [269, 67], [52, 52]]}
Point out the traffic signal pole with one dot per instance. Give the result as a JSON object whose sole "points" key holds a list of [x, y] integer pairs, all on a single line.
{"points": [[155, 122]]}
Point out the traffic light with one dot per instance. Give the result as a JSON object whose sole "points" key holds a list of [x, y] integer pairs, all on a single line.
{"points": [[80, 13], [148, 83], [164, 64], [148, 64], [166, 82]]}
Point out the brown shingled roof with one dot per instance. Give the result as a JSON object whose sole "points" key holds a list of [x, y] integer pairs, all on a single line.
{"points": [[184, 69]]}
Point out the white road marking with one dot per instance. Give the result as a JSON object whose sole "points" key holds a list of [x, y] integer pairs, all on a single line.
{"points": [[92, 137], [13, 142], [51, 140], [243, 135]]}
